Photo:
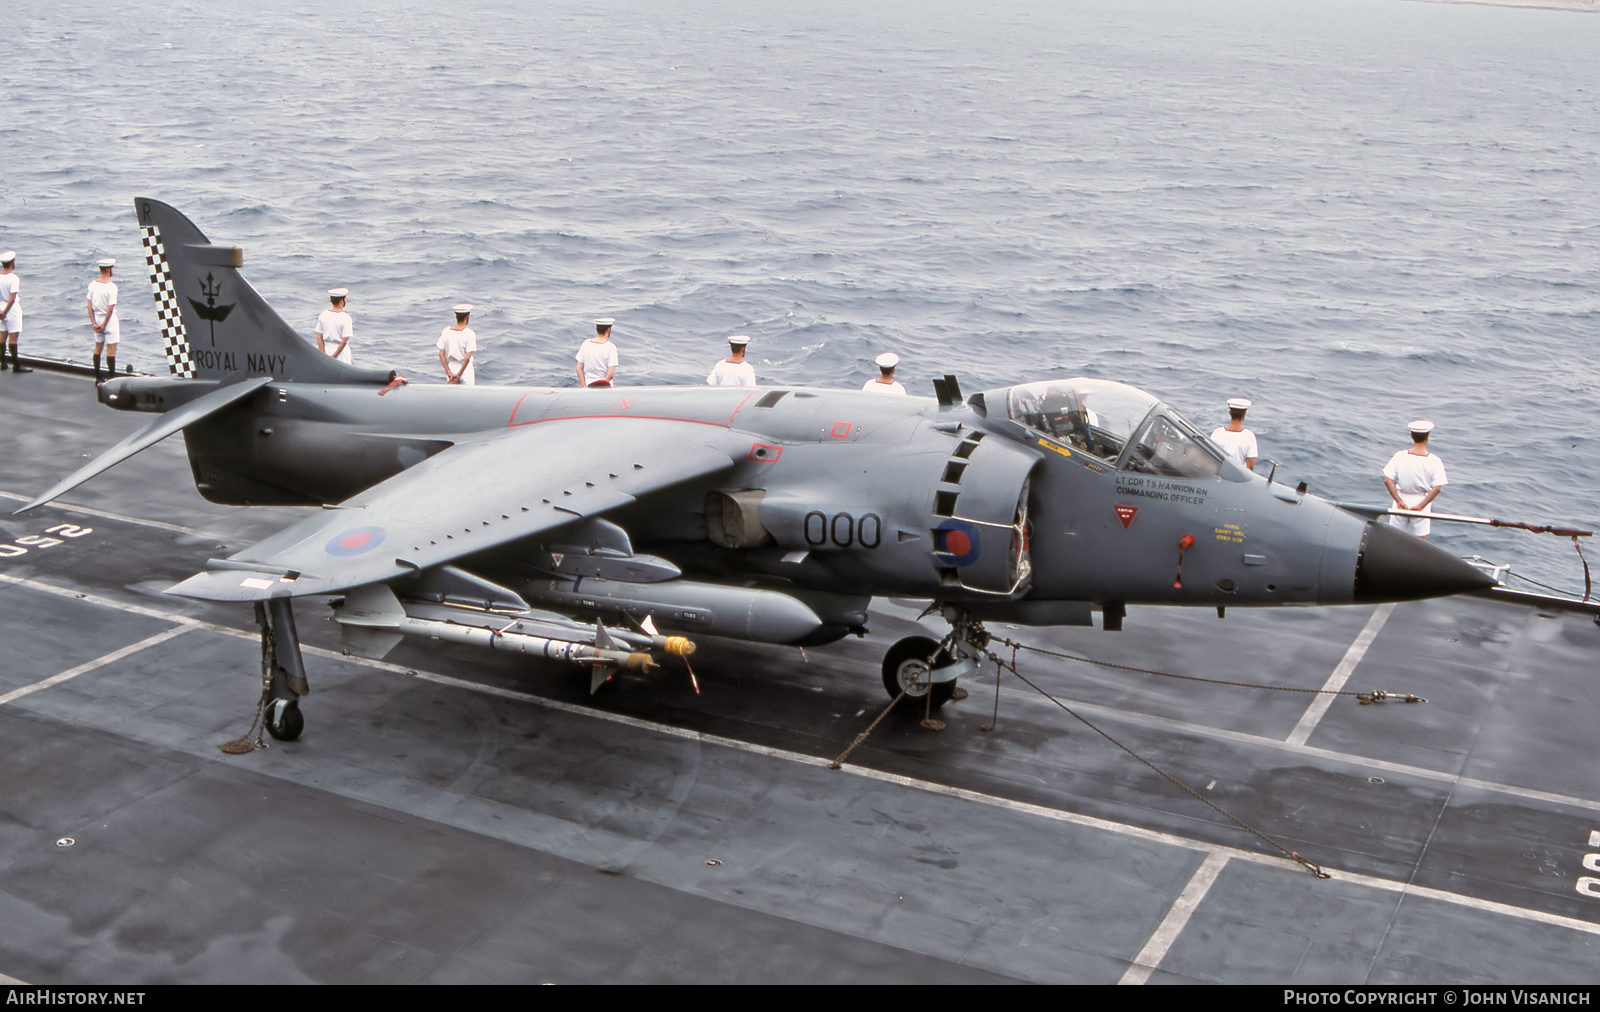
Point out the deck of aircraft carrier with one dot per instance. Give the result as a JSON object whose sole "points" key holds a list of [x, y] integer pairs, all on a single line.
{"points": [[453, 815]]}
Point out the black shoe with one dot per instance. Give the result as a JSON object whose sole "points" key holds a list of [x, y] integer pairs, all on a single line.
{"points": [[19, 367]]}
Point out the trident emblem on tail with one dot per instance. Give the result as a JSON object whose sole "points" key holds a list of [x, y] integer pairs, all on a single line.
{"points": [[211, 312]]}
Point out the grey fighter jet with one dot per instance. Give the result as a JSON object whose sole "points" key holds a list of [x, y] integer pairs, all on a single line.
{"points": [[610, 526]]}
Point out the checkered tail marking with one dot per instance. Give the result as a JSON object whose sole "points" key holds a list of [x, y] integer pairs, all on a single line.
{"points": [[174, 338]]}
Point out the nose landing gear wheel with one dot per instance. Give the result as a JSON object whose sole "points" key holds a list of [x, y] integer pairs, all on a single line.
{"points": [[906, 668], [284, 721]]}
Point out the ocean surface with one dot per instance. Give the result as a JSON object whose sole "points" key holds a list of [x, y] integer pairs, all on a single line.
{"points": [[1354, 212]]}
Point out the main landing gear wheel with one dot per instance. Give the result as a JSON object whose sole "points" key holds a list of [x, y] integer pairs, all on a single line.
{"points": [[284, 721], [906, 668]]}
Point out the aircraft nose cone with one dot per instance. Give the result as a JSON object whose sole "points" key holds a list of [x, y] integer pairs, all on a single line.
{"points": [[1396, 566]]}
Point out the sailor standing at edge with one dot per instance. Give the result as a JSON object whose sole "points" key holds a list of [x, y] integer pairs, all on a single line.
{"points": [[733, 371], [885, 383], [335, 328], [1415, 478], [10, 311], [1239, 441], [456, 346], [597, 357], [102, 303]]}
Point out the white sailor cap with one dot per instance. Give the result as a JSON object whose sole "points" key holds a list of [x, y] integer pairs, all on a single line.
{"points": [[107, 262], [738, 340], [604, 321], [338, 293], [8, 256], [1421, 425], [1238, 404], [462, 307], [888, 360]]}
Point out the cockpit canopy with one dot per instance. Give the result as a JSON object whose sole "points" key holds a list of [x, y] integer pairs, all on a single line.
{"points": [[1119, 424]]}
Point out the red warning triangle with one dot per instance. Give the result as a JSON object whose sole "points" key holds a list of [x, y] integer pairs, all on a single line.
{"points": [[1126, 513]]}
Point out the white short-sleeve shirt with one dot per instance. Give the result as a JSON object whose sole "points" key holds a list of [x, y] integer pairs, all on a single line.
{"points": [[598, 358], [455, 344], [730, 374], [1241, 446], [1415, 476], [11, 285], [896, 388], [336, 326], [102, 296]]}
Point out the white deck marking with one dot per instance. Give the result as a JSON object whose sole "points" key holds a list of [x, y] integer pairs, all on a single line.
{"points": [[1155, 950], [1028, 696], [1341, 674], [107, 515], [1201, 730], [98, 662], [1053, 814]]}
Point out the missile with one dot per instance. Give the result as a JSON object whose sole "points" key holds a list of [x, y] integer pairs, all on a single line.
{"points": [[535, 646], [373, 620]]}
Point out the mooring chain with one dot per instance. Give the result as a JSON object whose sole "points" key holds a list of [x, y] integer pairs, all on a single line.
{"points": [[929, 721], [839, 762], [1310, 866], [1364, 698], [258, 727]]}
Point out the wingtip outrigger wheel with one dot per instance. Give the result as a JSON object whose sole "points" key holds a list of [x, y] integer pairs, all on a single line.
{"points": [[284, 720], [283, 672]]}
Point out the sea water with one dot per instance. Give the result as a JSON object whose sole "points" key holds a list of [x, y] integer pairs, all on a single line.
{"points": [[1353, 212]]}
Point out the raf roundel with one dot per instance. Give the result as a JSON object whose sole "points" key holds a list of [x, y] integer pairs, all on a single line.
{"points": [[355, 541], [958, 541]]}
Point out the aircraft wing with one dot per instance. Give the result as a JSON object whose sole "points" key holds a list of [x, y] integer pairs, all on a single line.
{"points": [[479, 494]]}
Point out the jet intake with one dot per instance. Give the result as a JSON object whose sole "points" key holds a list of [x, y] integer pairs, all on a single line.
{"points": [[980, 516]]}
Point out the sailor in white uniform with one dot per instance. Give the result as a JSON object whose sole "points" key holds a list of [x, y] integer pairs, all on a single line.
{"points": [[457, 345], [335, 328], [597, 357], [103, 317], [10, 310], [1238, 441], [733, 371], [885, 383], [1415, 477]]}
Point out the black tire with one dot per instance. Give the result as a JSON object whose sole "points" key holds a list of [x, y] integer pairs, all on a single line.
{"points": [[284, 720], [905, 666]]}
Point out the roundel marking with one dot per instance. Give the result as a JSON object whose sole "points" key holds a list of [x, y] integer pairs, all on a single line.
{"points": [[958, 541], [355, 541]]}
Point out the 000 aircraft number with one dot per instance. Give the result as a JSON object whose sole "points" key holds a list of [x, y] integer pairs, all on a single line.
{"points": [[843, 529], [35, 542]]}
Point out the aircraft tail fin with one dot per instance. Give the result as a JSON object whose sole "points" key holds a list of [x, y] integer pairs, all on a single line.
{"points": [[213, 324]]}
